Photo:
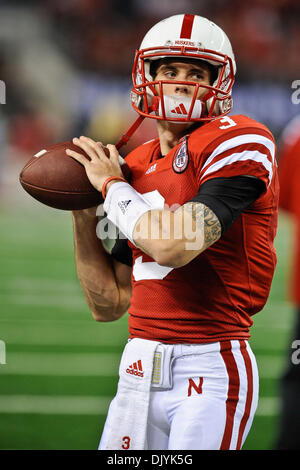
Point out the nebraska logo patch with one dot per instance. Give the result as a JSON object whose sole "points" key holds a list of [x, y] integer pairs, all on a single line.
{"points": [[181, 157]]}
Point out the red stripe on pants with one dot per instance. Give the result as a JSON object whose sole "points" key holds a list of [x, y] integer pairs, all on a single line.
{"points": [[249, 373], [187, 26], [232, 393]]}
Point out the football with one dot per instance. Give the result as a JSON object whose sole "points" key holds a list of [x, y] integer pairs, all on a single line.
{"points": [[57, 180]]}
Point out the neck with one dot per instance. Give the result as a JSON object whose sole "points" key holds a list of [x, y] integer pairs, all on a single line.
{"points": [[170, 134]]}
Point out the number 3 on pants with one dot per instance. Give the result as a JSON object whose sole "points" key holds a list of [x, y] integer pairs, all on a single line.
{"points": [[126, 440]]}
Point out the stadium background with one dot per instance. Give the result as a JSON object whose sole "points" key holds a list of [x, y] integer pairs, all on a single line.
{"points": [[66, 65]]}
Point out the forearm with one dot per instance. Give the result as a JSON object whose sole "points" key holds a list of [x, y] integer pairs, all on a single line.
{"points": [[171, 238], [175, 238], [95, 270]]}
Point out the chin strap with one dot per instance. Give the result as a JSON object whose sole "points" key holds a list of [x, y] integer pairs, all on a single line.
{"points": [[124, 139]]}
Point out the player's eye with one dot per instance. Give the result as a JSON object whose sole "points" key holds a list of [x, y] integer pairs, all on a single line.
{"points": [[198, 76], [170, 73]]}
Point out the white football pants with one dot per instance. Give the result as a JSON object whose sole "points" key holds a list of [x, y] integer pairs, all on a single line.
{"points": [[212, 401]]}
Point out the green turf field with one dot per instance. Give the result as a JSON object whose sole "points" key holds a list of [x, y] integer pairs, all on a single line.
{"points": [[61, 365]]}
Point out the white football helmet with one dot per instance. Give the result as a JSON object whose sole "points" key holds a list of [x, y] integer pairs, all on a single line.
{"points": [[184, 36]]}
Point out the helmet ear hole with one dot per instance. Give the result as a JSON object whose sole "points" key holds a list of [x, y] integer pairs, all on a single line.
{"points": [[154, 64], [214, 73]]}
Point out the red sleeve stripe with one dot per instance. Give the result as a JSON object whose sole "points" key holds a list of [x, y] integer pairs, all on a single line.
{"points": [[232, 394], [249, 372], [251, 155], [187, 26], [240, 140]]}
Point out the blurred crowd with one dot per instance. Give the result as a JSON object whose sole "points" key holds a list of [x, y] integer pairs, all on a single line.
{"points": [[102, 35], [67, 63]]}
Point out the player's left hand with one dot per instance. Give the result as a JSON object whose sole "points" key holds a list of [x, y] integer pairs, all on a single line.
{"points": [[103, 163]]}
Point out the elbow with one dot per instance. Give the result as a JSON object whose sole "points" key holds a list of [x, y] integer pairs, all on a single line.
{"points": [[169, 256], [114, 309], [164, 259], [103, 318], [106, 315], [107, 305], [175, 254]]}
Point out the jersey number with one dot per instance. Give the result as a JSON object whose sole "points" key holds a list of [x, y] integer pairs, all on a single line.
{"points": [[228, 122], [149, 270]]}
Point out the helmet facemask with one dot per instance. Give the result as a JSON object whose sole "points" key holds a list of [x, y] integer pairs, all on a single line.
{"points": [[148, 102]]}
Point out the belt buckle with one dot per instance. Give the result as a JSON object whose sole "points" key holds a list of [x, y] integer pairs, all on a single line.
{"points": [[162, 363], [157, 368]]}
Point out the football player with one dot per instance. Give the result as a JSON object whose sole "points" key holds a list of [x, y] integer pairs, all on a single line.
{"points": [[196, 258]]}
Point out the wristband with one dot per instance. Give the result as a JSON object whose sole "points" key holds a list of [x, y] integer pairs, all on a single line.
{"points": [[110, 178], [124, 206]]}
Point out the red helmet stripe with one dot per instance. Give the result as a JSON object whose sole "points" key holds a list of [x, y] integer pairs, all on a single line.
{"points": [[187, 26]]}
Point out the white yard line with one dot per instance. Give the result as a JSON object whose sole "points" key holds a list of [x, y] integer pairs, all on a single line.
{"points": [[268, 406], [61, 364], [270, 367], [66, 331], [45, 404], [36, 284], [97, 364], [62, 300], [88, 405]]}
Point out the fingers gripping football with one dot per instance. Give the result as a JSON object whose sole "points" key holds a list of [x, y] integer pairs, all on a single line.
{"points": [[103, 161]]}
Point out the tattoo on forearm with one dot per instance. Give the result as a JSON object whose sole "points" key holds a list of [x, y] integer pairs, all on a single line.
{"points": [[212, 227], [206, 218]]}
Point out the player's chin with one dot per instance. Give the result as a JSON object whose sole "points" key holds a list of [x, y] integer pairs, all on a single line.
{"points": [[179, 125]]}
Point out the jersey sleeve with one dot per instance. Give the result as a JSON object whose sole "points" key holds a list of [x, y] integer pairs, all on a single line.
{"points": [[236, 150], [229, 197]]}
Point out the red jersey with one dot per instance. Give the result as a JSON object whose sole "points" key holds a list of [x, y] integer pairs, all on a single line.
{"points": [[289, 177], [213, 297]]}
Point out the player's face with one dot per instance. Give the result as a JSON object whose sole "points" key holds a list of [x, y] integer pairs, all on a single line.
{"points": [[183, 71]]}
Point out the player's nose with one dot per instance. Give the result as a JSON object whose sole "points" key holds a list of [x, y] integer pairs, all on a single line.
{"points": [[182, 88]]}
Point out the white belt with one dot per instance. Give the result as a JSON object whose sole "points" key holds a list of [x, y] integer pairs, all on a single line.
{"points": [[164, 356]]}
